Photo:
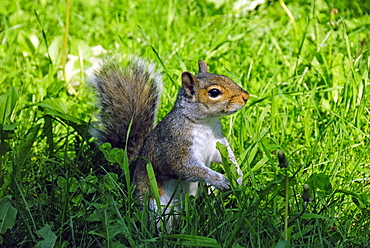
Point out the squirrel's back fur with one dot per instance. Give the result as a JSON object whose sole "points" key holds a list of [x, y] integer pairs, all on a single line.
{"points": [[126, 92]]}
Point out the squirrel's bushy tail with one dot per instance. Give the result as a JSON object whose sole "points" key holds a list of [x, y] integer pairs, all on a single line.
{"points": [[126, 91]]}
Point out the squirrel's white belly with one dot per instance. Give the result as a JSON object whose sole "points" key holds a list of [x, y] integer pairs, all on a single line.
{"points": [[205, 138], [182, 187]]}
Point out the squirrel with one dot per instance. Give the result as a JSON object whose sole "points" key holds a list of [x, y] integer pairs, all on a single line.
{"points": [[182, 146]]}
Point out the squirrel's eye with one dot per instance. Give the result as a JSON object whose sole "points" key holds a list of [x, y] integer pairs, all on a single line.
{"points": [[214, 93]]}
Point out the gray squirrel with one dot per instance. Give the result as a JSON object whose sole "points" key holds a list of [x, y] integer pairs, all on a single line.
{"points": [[182, 146]]}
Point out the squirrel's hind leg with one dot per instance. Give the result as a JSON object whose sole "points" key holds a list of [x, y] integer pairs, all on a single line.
{"points": [[171, 199]]}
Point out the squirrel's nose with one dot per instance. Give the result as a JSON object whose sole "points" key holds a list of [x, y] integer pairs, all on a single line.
{"points": [[245, 96]]}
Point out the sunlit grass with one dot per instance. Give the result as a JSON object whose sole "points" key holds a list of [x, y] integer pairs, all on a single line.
{"points": [[308, 78]]}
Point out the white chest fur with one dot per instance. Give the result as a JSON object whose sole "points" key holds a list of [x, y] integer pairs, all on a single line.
{"points": [[205, 137]]}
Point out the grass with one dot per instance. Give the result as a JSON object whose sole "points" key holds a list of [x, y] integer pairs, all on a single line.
{"points": [[305, 66]]}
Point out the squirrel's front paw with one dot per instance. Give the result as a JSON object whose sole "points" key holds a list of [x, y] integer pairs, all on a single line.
{"points": [[219, 181]]}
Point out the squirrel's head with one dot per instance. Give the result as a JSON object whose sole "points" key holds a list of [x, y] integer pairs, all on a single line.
{"points": [[215, 95]]}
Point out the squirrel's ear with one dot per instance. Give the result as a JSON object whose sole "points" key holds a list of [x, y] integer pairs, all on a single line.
{"points": [[203, 68], [188, 81]]}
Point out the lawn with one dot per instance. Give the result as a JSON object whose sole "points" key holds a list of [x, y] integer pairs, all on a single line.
{"points": [[304, 63]]}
